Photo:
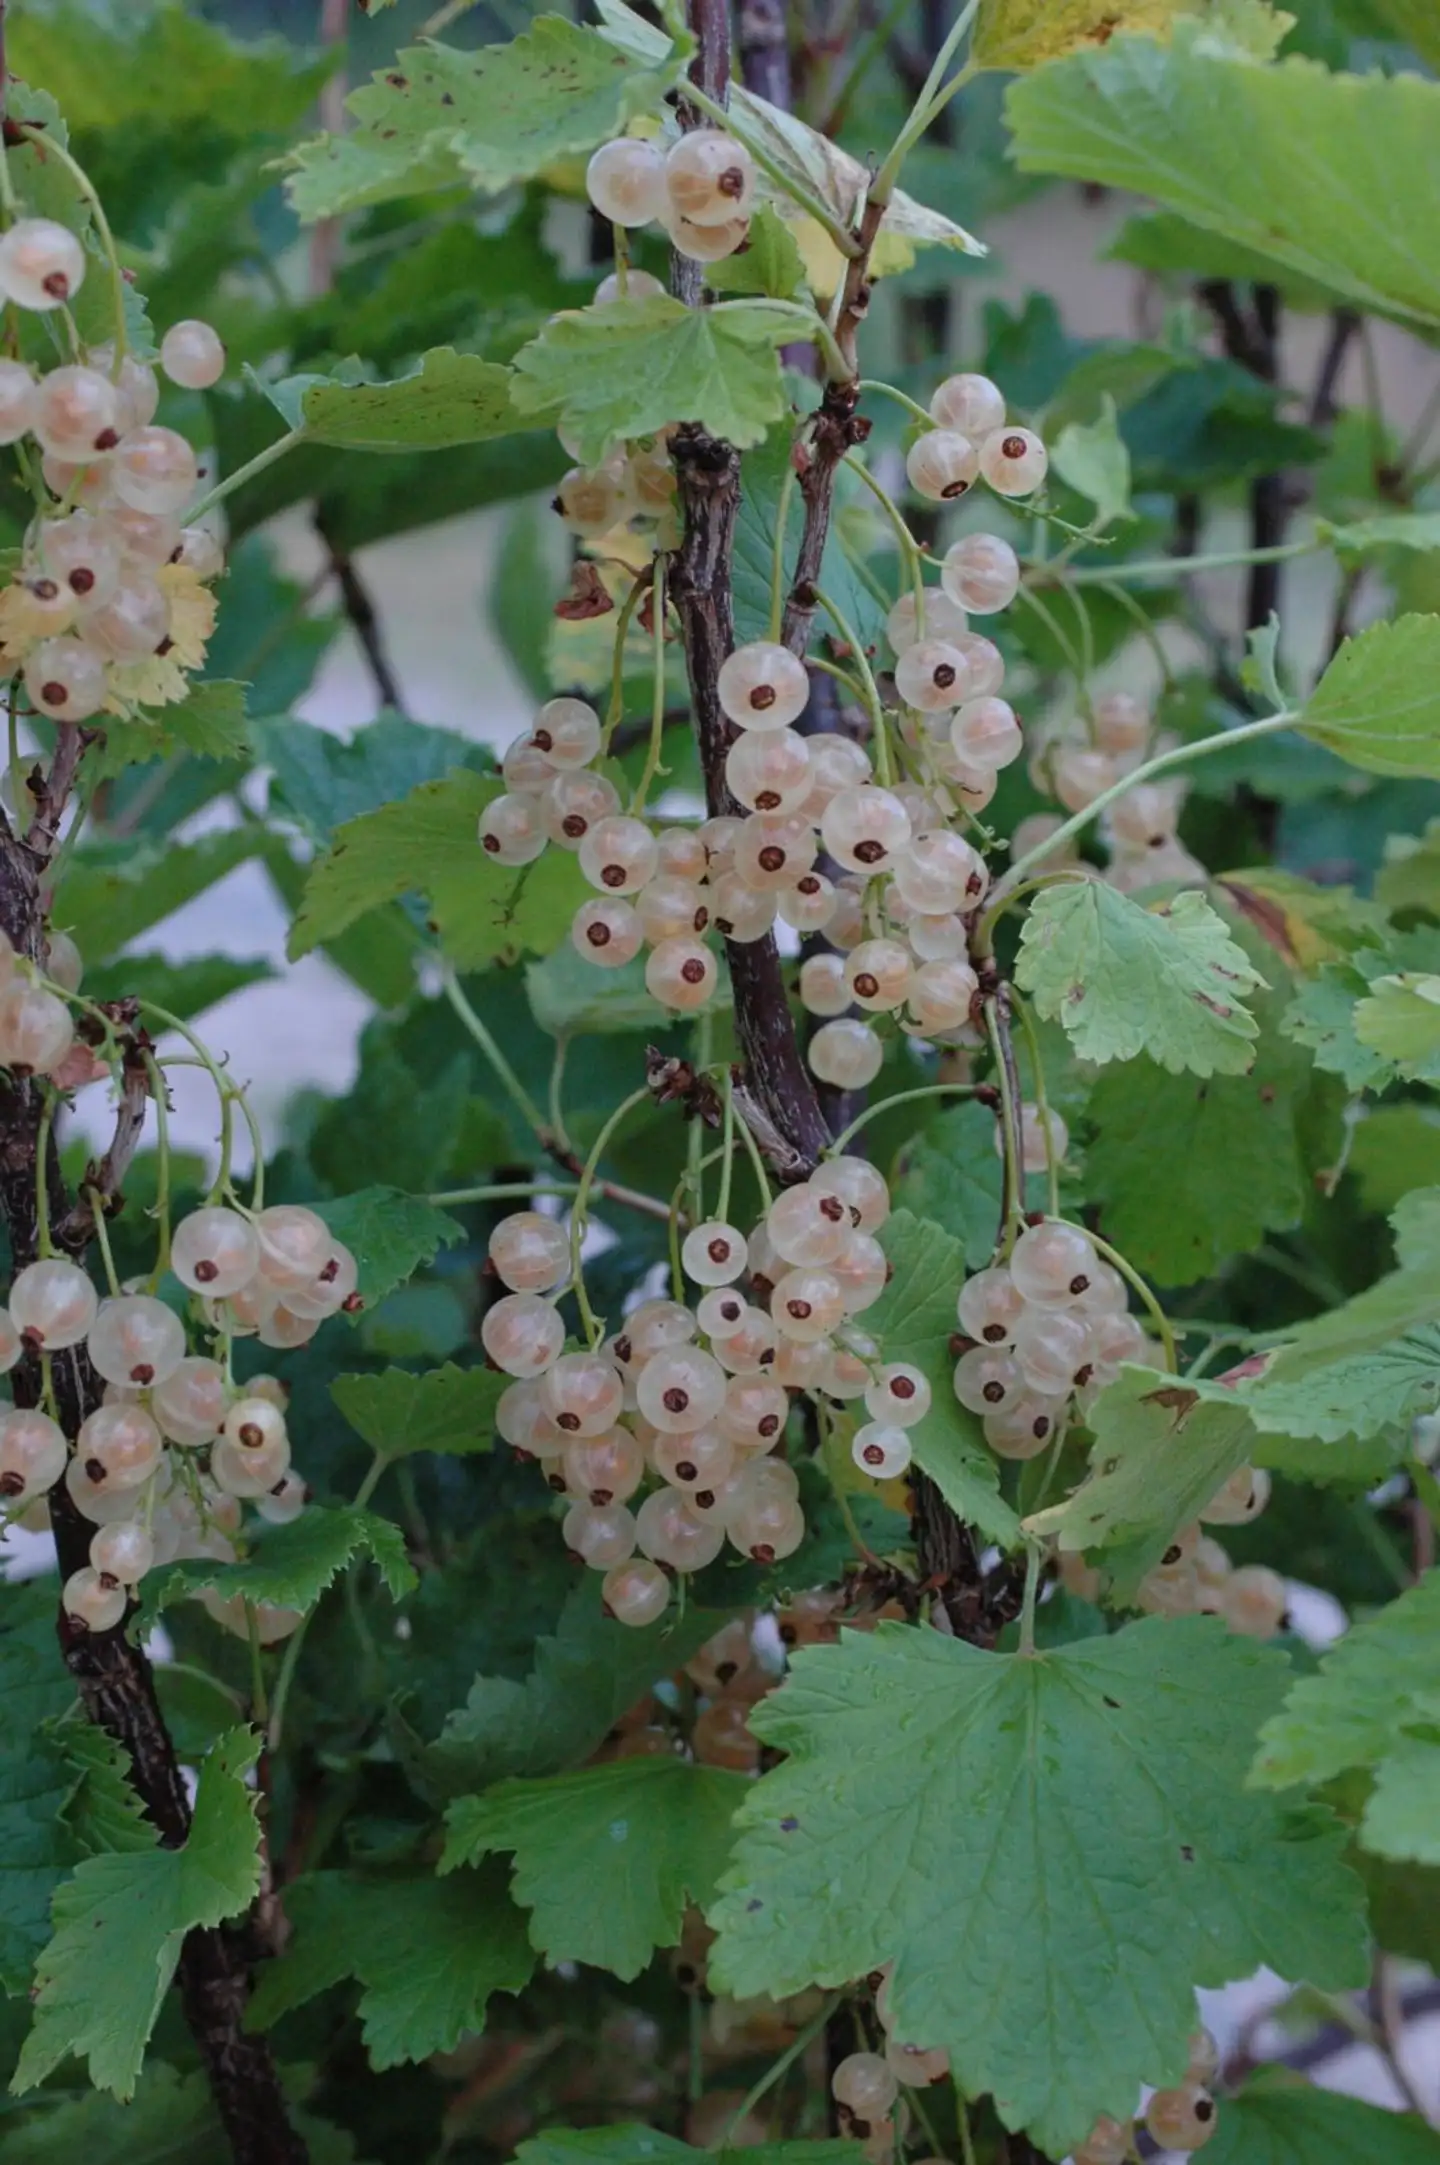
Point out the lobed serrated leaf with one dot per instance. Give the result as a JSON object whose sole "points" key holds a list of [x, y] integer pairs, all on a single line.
{"points": [[651, 1833], [291, 1566], [1092, 458], [209, 723], [1377, 704], [390, 1235], [1399, 1021], [1282, 2121], [34, 1779], [1122, 979], [1065, 1854], [447, 1409], [448, 398]]}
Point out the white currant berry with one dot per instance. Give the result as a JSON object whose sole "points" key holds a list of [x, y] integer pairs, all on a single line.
{"points": [[943, 619], [1052, 1265], [625, 180], [932, 676], [940, 873], [656, 1325], [147, 539], [192, 355], [750, 1349], [531, 1254], [42, 264], [295, 1244], [1115, 1339], [878, 975], [681, 854], [190, 1404], [809, 1224], [1079, 775], [1204, 2061], [522, 1334], [987, 1378], [766, 1525], [1109, 2142], [1182, 2119], [986, 733], [592, 500], [526, 770], [990, 1306], [136, 384], [1122, 724], [604, 1534], [608, 933], [864, 2085], [153, 469], [738, 911], [76, 413], [1014, 461], [836, 763], [713, 1253], [763, 686], [937, 939], [845, 1054], [847, 1375], [862, 1189], [769, 773], [123, 1552], [972, 404], [52, 1304], [635, 1592], [603, 1469], [11, 1343], [1052, 1348], [36, 1032], [93, 1601], [583, 1394], [32, 1456], [573, 802], [985, 663], [1023, 1427], [865, 829], [669, 1532], [249, 1473], [710, 178], [801, 1368], [981, 573], [638, 286], [214, 1251], [681, 1389], [702, 1460], [680, 974], [806, 1304], [83, 554], [512, 831], [823, 990], [567, 733], [65, 679], [772, 851], [862, 1272], [119, 1447], [618, 854], [720, 1311], [17, 400], [942, 996], [705, 244], [129, 623], [284, 1327], [942, 465], [1242, 1498], [1145, 818], [285, 1502], [899, 1395], [809, 904], [754, 1413], [881, 1450]]}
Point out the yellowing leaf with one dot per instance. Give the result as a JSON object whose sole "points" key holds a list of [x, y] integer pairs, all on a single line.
{"points": [[1023, 33]]}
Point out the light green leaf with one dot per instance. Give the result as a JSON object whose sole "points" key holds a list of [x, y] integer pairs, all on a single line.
{"points": [[1393, 1147], [447, 1409], [1162, 1448], [390, 1235], [291, 1566], [1334, 175], [1374, 1703], [108, 899], [762, 478], [569, 996], [1399, 1020], [631, 2145], [914, 1320], [104, 72], [209, 723], [1093, 459], [768, 262], [429, 841], [102, 1811], [1161, 241], [1415, 21], [1409, 877], [1378, 703], [1360, 538], [1322, 1017], [448, 398], [951, 1171], [492, 117], [651, 1832], [1067, 1852], [1124, 980], [187, 989], [629, 368], [1293, 2123], [120, 1921], [34, 1779], [584, 1679], [428, 1956]]}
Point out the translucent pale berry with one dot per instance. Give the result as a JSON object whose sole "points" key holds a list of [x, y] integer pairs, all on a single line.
{"points": [[93, 1602], [653, 1326], [986, 733], [1052, 1265], [604, 1534], [669, 1532], [1035, 1151], [972, 404], [1080, 775], [635, 1592], [754, 1413], [618, 854], [42, 264], [282, 1325], [881, 1449], [75, 414], [845, 1054], [899, 1395], [836, 763], [823, 990], [807, 1303], [680, 973], [878, 975], [17, 399], [810, 1224], [932, 676], [750, 1349], [1023, 1427], [625, 180], [681, 1389], [702, 1460], [864, 2085], [295, 1244], [603, 1469], [573, 802], [249, 1472], [1052, 1347], [771, 851], [83, 554], [915, 2065], [567, 733], [190, 1404], [146, 538], [607, 933], [720, 1311], [1254, 1600], [119, 1447], [981, 573], [769, 773], [531, 1254], [763, 686], [36, 1032], [65, 679], [942, 996], [987, 1378], [862, 1189], [1109, 2142], [865, 829], [11, 1343], [191, 354], [594, 499], [705, 244], [286, 1501], [52, 1304], [943, 618], [713, 1253], [1122, 724], [941, 873], [583, 1394], [123, 1552], [153, 469], [809, 905], [1145, 818], [942, 465], [637, 286], [765, 1522], [522, 1334], [681, 854], [710, 177], [137, 385], [937, 938], [1181, 2120], [32, 1456], [1014, 461], [214, 1251], [861, 1271], [1204, 2061]]}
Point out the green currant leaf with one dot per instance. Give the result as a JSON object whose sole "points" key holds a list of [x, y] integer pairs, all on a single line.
{"points": [[119, 1924], [769, 262], [1332, 175], [1415, 21], [102, 1811], [1053, 1851], [428, 1957], [108, 897], [1162, 1448], [605, 375], [104, 72], [762, 478], [1409, 878], [291, 1566], [1360, 538], [1279, 2121], [1123, 979], [630, 2145], [483, 912], [185, 988], [951, 1171], [34, 1779], [322, 781], [1322, 1016], [447, 1409], [1377, 704], [449, 398], [1399, 1021], [651, 1832], [389, 1234], [492, 117], [914, 1320], [569, 996], [1374, 1703], [1161, 241], [1093, 459], [209, 723]]}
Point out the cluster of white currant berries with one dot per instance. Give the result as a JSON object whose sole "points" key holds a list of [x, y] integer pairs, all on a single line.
{"points": [[275, 1275], [1196, 1576], [1182, 2119], [1077, 759], [109, 609], [866, 2085], [698, 1399], [701, 190]]}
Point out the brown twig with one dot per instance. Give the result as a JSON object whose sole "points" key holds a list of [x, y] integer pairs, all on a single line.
{"points": [[359, 607]]}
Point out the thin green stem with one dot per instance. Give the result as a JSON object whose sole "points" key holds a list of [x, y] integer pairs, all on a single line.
{"points": [[555, 1102], [502, 1191], [657, 691], [504, 1074], [762, 1180], [290, 1660], [962, 2129], [727, 118], [47, 146], [1144, 626], [814, 325], [887, 390], [777, 554], [1032, 1045], [259, 1707], [247, 472], [722, 1207], [1009, 1131], [1074, 661], [781, 2067], [102, 1235], [161, 1211], [870, 689], [1132, 1276], [616, 709], [909, 547], [931, 100], [886, 1105], [1026, 1648], [1164, 763], [578, 1216], [1180, 567], [695, 1147]]}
